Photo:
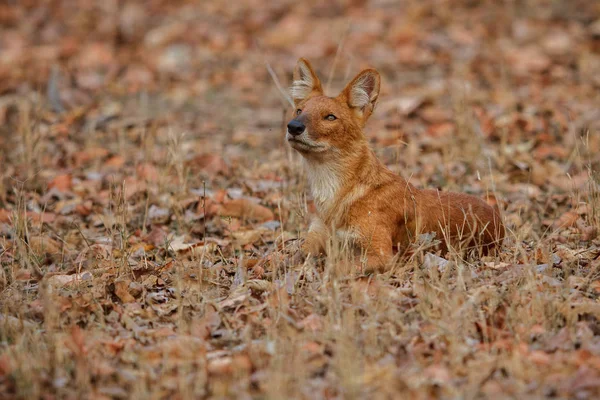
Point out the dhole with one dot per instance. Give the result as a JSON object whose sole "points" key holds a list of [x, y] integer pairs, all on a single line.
{"points": [[356, 196]]}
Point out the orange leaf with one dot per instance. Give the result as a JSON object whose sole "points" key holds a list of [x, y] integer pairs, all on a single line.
{"points": [[211, 164], [245, 208], [62, 183], [567, 219], [115, 162], [5, 215], [147, 172], [121, 290]]}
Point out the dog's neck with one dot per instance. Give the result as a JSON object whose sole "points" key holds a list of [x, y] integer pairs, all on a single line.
{"points": [[344, 174], [325, 179]]}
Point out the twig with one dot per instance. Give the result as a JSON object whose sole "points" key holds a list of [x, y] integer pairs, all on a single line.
{"points": [[81, 233], [284, 94], [337, 56], [204, 210], [52, 91]]}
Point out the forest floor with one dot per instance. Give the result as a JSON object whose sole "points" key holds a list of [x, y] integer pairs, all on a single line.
{"points": [[149, 206]]}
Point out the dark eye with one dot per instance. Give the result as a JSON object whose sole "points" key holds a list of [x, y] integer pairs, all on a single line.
{"points": [[298, 111], [331, 117]]}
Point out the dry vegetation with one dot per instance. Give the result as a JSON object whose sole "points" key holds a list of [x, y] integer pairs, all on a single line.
{"points": [[149, 206]]}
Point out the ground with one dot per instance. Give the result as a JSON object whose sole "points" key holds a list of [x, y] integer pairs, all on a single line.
{"points": [[150, 208]]}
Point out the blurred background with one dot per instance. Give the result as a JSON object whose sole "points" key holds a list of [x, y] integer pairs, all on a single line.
{"points": [[522, 68], [142, 156], [175, 99], [505, 90]]}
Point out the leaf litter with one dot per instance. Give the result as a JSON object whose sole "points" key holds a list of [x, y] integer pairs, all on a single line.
{"points": [[150, 213]]}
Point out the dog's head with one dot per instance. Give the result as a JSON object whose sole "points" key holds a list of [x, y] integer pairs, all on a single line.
{"points": [[323, 123]]}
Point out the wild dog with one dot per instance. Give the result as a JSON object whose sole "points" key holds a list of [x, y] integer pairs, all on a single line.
{"points": [[360, 199]]}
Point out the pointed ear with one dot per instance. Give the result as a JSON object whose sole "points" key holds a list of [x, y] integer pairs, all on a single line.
{"points": [[362, 92], [306, 82]]}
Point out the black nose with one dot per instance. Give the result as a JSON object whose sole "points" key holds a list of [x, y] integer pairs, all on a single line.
{"points": [[295, 127]]}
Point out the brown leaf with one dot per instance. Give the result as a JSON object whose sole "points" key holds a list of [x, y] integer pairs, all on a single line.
{"points": [[122, 291], [15, 323], [88, 154], [210, 163], [22, 275], [44, 245], [207, 324], [235, 299], [64, 280], [436, 115], [239, 363], [258, 271], [84, 209], [527, 60], [245, 237], [46, 217], [5, 215], [258, 285], [312, 322], [566, 220], [405, 105], [5, 365], [550, 151], [78, 341], [178, 244], [441, 129], [244, 208], [539, 357], [437, 374], [114, 162], [62, 183], [587, 232], [585, 378], [147, 172], [157, 236]]}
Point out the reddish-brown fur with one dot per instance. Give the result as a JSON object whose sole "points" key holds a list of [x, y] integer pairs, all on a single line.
{"points": [[356, 196]]}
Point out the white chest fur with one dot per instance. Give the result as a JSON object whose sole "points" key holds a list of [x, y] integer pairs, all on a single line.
{"points": [[325, 181], [331, 199]]}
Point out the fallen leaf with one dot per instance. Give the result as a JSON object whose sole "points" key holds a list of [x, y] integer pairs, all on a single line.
{"points": [[15, 323], [114, 162], [158, 215], [147, 172], [312, 322], [405, 105], [122, 291], [258, 285], [244, 208], [566, 220], [441, 129], [210, 164], [235, 299], [432, 261], [245, 237], [230, 365], [207, 324], [5, 215], [178, 244], [65, 280], [89, 154], [539, 357], [157, 236], [62, 183], [44, 245], [5, 364], [437, 374]]}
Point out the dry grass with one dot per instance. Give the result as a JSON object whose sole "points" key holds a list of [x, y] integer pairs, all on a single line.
{"points": [[148, 242]]}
